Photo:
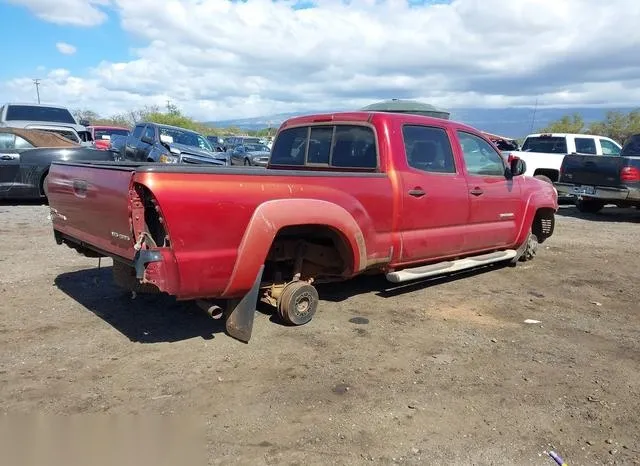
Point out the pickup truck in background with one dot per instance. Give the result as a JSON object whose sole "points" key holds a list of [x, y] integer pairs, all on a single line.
{"points": [[543, 153], [153, 142], [51, 118], [344, 194], [598, 181]]}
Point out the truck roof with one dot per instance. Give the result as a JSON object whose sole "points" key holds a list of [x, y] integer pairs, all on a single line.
{"points": [[562, 135], [30, 104], [365, 116]]}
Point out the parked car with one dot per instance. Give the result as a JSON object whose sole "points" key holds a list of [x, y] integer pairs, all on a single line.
{"points": [[544, 153], [598, 181], [250, 154], [102, 135], [153, 142], [25, 157], [233, 141], [50, 118], [405, 195]]}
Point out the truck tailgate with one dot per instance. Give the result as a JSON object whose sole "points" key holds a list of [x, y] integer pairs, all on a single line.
{"points": [[592, 170], [90, 204]]}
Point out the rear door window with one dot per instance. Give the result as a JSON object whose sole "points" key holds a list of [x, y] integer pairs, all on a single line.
{"points": [[586, 146], [428, 149]]}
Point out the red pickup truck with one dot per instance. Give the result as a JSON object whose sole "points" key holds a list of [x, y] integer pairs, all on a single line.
{"points": [[344, 194]]}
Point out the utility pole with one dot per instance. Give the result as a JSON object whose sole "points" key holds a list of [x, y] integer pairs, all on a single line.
{"points": [[37, 83]]}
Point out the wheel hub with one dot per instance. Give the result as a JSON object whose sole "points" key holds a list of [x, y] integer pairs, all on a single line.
{"points": [[302, 304]]}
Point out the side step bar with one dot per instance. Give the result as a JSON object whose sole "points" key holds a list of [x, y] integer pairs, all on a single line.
{"points": [[442, 268]]}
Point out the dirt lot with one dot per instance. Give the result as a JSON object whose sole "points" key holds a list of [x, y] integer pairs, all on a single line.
{"points": [[444, 372]]}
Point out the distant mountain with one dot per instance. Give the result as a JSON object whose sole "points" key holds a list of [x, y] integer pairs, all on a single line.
{"points": [[511, 122]]}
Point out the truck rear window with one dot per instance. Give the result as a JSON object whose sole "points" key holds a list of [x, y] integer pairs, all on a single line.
{"points": [[545, 144], [337, 146], [35, 113]]}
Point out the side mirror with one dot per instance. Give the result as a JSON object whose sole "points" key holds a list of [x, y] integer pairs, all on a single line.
{"points": [[85, 123], [517, 166], [146, 139]]}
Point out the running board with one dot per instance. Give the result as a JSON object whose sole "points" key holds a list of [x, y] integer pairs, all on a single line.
{"points": [[442, 268]]}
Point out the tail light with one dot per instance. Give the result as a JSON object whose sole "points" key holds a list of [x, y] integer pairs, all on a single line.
{"points": [[630, 175]]}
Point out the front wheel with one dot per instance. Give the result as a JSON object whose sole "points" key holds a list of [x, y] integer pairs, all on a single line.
{"points": [[298, 303], [589, 206]]}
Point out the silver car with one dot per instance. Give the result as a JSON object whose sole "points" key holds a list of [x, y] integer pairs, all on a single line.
{"points": [[250, 155]]}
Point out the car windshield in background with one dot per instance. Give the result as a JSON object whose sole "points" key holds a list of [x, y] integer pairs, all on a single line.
{"points": [[101, 133], [186, 138], [35, 113], [256, 148], [545, 144]]}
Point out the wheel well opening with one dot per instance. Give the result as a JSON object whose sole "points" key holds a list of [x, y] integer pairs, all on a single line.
{"points": [[321, 252], [550, 173], [153, 219], [543, 224]]}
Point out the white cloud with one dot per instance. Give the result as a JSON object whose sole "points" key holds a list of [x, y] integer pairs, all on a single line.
{"points": [[65, 49], [72, 12], [217, 59]]}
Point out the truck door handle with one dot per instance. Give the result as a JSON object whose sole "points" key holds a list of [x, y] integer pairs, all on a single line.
{"points": [[6, 157], [417, 192], [476, 191]]}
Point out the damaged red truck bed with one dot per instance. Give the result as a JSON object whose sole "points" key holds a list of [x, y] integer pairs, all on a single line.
{"points": [[344, 194]]}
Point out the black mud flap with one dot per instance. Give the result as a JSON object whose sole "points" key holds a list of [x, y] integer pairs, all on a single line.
{"points": [[240, 320]]}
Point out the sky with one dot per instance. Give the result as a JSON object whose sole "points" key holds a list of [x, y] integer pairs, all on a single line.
{"points": [[220, 59]]}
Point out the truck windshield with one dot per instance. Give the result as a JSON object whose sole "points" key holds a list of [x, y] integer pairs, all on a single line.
{"points": [[545, 144], [186, 138], [36, 113]]}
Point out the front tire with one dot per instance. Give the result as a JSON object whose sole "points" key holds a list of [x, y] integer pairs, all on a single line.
{"points": [[589, 206], [298, 303]]}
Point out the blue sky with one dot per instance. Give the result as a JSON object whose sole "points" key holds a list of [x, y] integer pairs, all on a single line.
{"points": [[223, 59], [35, 43]]}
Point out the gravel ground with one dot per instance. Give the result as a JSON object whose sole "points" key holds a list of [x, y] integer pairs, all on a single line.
{"points": [[443, 372]]}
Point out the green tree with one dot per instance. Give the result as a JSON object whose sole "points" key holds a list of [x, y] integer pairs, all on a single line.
{"points": [[567, 124]]}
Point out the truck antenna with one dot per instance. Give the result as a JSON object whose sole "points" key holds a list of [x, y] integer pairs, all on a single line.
{"points": [[533, 118]]}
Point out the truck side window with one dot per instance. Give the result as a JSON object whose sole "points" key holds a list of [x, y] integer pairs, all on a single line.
{"points": [[7, 141], [428, 149], [290, 147], [354, 146], [150, 132], [586, 146], [609, 148], [137, 132], [479, 156]]}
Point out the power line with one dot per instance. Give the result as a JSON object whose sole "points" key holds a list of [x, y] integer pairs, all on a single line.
{"points": [[37, 83]]}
